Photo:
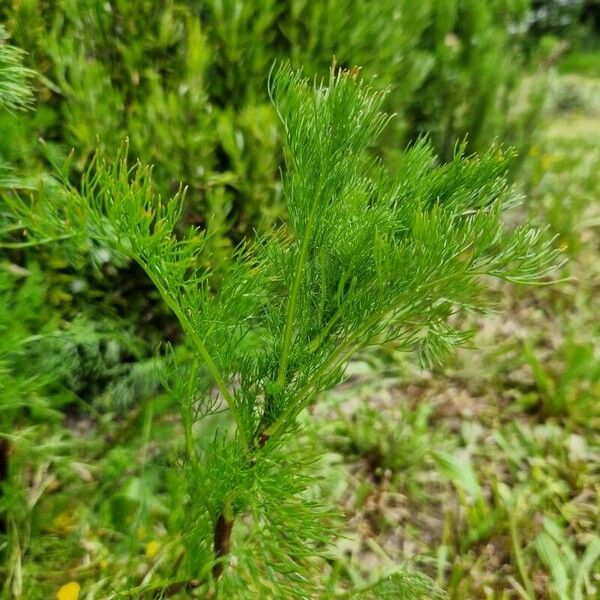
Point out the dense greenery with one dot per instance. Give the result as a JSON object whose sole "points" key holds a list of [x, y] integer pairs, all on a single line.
{"points": [[186, 82], [166, 331], [366, 258]]}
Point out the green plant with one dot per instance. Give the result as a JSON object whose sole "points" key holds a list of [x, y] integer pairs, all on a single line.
{"points": [[16, 93], [51, 377], [366, 256], [480, 515], [399, 445], [571, 388], [15, 78], [571, 574], [44, 366], [188, 89]]}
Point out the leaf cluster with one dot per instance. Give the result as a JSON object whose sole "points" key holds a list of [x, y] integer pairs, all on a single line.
{"points": [[15, 79], [189, 87], [189, 90]]}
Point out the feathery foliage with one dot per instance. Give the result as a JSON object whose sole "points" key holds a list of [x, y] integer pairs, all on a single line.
{"points": [[188, 87], [15, 93], [15, 78], [366, 256]]}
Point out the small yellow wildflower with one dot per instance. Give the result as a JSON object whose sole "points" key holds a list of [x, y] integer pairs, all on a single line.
{"points": [[69, 591], [104, 564], [152, 548]]}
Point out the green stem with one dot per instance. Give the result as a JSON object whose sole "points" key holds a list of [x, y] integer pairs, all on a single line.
{"points": [[293, 300], [201, 348], [189, 437], [346, 350], [187, 416], [19, 245], [343, 353], [11, 228]]}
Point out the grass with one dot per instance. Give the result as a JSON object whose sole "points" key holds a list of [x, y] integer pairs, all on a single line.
{"points": [[484, 476]]}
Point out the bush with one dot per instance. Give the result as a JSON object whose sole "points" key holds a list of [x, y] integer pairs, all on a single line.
{"points": [[365, 256], [186, 82]]}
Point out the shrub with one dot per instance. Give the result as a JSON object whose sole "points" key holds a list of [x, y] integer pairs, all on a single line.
{"points": [[46, 368], [365, 256], [186, 82]]}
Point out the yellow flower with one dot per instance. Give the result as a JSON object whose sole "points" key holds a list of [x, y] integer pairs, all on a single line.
{"points": [[152, 548], [69, 591]]}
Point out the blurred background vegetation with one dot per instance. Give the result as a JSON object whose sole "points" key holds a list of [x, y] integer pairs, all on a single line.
{"points": [[484, 475]]}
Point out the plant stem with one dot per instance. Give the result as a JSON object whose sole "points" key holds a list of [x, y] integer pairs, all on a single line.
{"points": [[189, 438], [30, 244], [200, 347], [222, 542], [187, 417], [293, 299]]}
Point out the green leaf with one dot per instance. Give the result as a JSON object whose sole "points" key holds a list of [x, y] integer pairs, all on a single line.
{"points": [[551, 555], [402, 585]]}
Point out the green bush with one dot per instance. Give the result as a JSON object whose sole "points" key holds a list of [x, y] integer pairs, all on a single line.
{"points": [[365, 256], [186, 82]]}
